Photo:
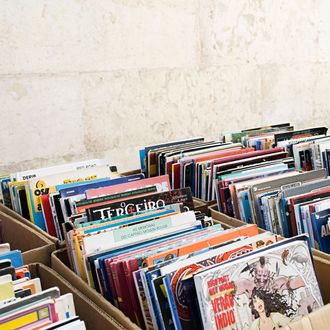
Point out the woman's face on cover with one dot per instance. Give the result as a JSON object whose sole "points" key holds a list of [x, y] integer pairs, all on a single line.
{"points": [[258, 305]]}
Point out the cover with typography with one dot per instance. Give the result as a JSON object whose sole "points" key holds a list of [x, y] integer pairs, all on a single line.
{"points": [[266, 289]]}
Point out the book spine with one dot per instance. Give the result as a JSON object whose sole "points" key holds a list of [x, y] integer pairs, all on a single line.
{"points": [[171, 300], [129, 267], [140, 294], [112, 287]]}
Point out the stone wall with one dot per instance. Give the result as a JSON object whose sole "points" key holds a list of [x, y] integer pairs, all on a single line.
{"points": [[82, 78]]}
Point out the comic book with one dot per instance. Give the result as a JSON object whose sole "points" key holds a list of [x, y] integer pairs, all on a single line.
{"points": [[142, 203], [41, 186], [176, 271], [321, 225], [161, 182], [274, 285], [77, 193], [46, 171], [85, 205]]}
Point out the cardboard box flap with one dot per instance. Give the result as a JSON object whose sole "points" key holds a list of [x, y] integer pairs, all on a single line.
{"points": [[322, 269], [13, 214], [317, 320], [41, 255], [21, 236], [94, 317], [34, 246], [59, 262]]}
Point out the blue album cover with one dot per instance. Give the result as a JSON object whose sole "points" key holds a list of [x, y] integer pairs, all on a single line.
{"points": [[283, 203], [68, 190], [100, 183], [150, 276], [246, 206], [142, 155], [6, 192], [14, 256], [171, 301], [321, 224]]}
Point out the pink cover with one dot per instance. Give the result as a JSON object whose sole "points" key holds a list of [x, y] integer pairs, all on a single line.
{"points": [[161, 182]]}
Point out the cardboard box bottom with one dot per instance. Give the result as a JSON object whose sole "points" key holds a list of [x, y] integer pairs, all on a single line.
{"points": [[60, 263], [94, 317]]}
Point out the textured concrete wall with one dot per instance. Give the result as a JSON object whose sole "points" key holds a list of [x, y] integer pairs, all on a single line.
{"points": [[83, 78]]}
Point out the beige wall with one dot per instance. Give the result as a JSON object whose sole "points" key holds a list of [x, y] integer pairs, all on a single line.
{"points": [[83, 78]]}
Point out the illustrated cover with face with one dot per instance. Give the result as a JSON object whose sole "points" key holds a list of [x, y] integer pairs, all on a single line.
{"points": [[262, 290]]}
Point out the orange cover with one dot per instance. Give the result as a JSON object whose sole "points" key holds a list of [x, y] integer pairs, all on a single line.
{"points": [[248, 230]]}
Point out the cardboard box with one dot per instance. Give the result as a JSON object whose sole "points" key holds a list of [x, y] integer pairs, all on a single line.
{"points": [[13, 214], [60, 263], [315, 319], [318, 320], [208, 204], [322, 268], [321, 260], [35, 247], [94, 317], [200, 206]]}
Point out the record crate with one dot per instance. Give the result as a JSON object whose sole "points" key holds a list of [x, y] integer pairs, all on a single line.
{"points": [[321, 260], [34, 245], [94, 316], [60, 264]]}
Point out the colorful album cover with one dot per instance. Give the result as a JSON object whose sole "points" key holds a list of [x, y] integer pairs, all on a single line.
{"points": [[272, 286]]}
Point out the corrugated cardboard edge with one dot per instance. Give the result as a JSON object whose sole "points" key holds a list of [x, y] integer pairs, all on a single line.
{"points": [[200, 206], [18, 217], [41, 255], [35, 247], [206, 204], [59, 266], [321, 260], [318, 320], [94, 317]]}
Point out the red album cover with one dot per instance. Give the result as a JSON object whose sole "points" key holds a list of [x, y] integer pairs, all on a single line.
{"points": [[176, 176], [48, 215], [162, 183], [122, 290], [238, 156], [111, 281], [129, 267]]}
